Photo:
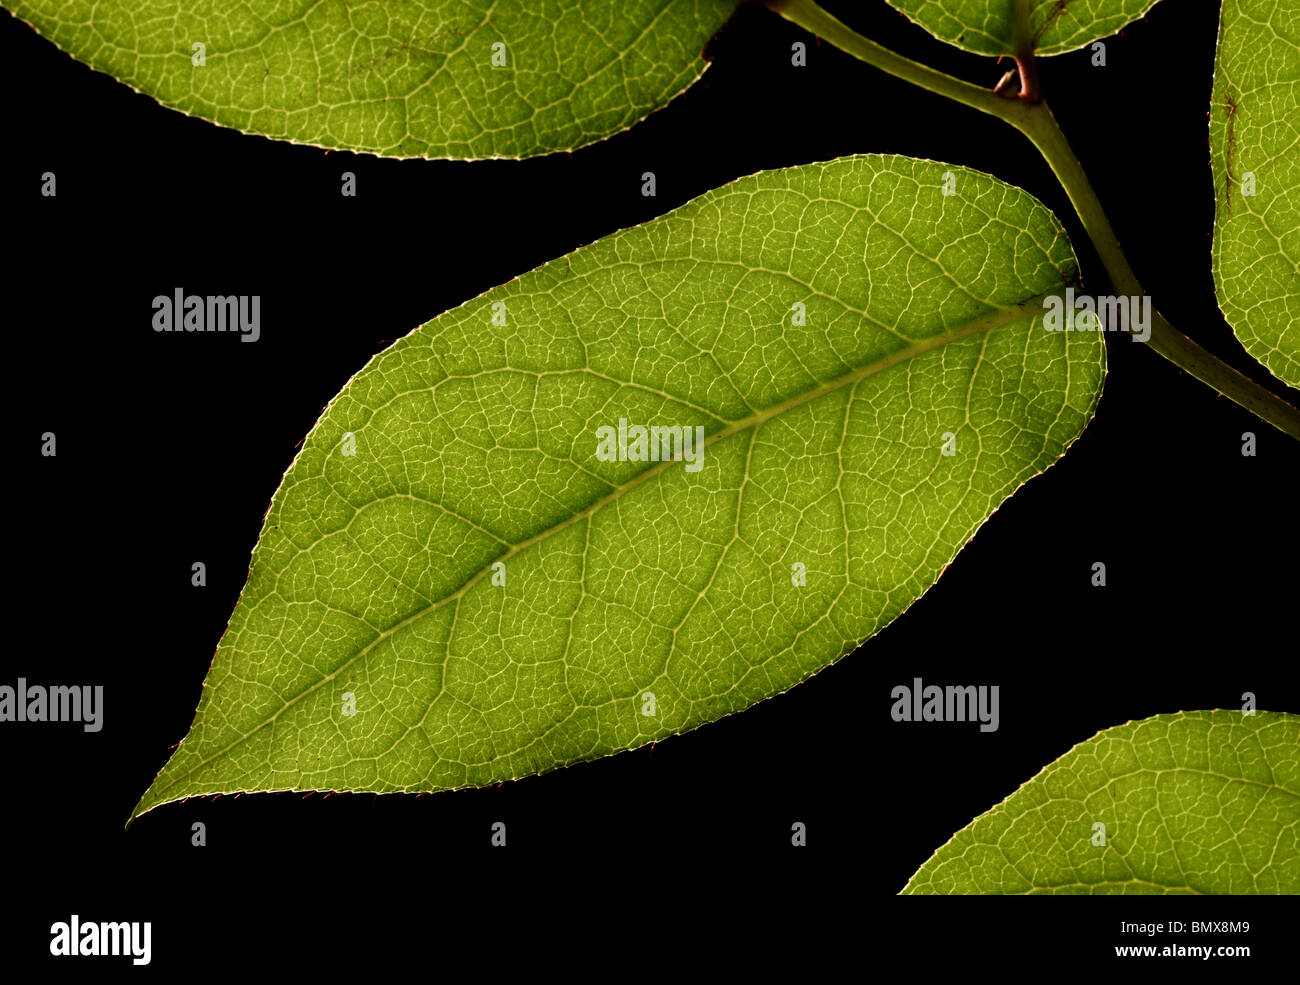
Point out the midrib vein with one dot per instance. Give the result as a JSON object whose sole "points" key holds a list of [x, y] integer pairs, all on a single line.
{"points": [[995, 319]]}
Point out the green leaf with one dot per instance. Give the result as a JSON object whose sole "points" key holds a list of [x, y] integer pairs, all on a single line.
{"points": [[1255, 155], [409, 79], [987, 27], [1193, 802], [827, 326]]}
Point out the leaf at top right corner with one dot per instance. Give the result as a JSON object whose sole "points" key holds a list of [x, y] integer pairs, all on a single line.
{"points": [[1255, 157], [988, 27]]}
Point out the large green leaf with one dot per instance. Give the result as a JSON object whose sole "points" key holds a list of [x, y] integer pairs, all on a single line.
{"points": [[1255, 153], [1194, 802], [830, 327], [408, 79], [987, 27]]}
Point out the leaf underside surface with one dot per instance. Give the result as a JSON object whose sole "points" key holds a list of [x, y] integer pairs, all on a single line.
{"points": [[1192, 802], [987, 27], [475, 442], [409, 79], [1255, 157]]}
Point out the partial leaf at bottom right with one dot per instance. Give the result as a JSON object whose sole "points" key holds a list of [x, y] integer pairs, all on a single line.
{"points": [[1186, 803]]}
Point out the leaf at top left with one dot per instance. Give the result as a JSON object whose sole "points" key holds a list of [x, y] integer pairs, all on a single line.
{"points": [[465, 79]]}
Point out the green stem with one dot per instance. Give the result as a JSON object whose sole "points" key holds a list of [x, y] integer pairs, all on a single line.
{"points": [[816, 21], [1037, 123], [1029, 114]]}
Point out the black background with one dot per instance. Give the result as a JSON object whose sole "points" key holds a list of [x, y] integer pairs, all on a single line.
{"points": [[170, 447]]}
